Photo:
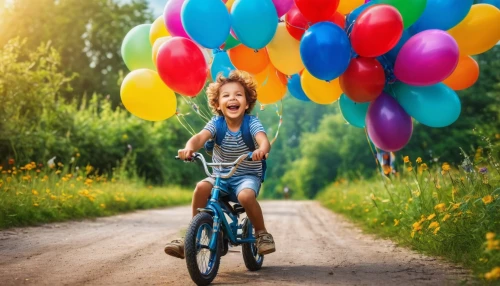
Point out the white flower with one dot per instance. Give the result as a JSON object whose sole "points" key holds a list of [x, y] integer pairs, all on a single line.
{"points": [[51, 162]]}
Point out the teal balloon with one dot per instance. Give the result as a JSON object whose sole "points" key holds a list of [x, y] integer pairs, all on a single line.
{"points": [[435, 105], [221, 65], [207, 22], [137, 50], [353, 112], [254, 22]]}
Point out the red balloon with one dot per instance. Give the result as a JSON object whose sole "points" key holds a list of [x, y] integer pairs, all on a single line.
{"points": [[317, 10], [376, 30], [182, 66], [364, 79], [297, 24]]}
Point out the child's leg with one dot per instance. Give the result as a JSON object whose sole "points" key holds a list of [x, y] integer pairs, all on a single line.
{"points": [[249, 202], [201, 195]]}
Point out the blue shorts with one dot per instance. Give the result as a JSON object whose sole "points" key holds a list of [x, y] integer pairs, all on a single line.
{"points": [[234, 185]]}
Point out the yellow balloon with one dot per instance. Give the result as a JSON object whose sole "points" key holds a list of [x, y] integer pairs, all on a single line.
{"points": [[229, 4], [156, 46], [158, 30], [320, 91], [479, 31], [270, 86], [346, 6], [284, 51], [144, 94]]}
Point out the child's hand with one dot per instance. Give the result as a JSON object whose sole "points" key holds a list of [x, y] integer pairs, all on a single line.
{"points": [[258, 155], [185, 154]]}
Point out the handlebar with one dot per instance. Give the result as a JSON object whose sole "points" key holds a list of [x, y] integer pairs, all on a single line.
{"points": [[234, 165]]}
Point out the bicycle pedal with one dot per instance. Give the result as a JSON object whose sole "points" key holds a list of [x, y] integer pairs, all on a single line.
{"points": [[238, 209]]}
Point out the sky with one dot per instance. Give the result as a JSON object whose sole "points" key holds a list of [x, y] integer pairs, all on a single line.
{"points": [[157, 6]]}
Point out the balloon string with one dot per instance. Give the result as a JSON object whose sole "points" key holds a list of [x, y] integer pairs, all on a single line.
{"points": [[300, 28], [190, 130], [371, 149], [279, 112]]}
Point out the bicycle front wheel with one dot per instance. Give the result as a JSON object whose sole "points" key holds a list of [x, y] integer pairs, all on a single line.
{"points": [[202, 263], [253, 260]]}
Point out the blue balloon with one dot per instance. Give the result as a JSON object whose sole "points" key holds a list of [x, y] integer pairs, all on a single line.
{"points": [[393, 53], [351, 17], [495, 3], [295, 88], [221, 65], [435, 105], [254, 22], [325, 50], [207, 22], [442, 15], [353, 112]]}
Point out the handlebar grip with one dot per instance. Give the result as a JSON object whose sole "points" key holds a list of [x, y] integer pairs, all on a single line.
{"points": [[249, 157], [177, 158]]}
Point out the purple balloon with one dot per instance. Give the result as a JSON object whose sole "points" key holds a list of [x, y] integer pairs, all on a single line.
{"points": [[388, 125], [172, 17], [282, 6], [427, 58]]}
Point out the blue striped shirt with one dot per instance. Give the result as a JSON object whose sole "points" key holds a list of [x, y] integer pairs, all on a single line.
{"points": [[233, 146]]}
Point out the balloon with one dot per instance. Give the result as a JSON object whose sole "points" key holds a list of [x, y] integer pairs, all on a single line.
{"points": [[221, 65], [249, 60], [495, 3], [229, 5], [270, 89], [376, 31], [320, 91], [282, 6], [136, 49], [207, 22], [427, 58], [363, 80], [144, 95], [434, 105], [465, 74], [392, 55], [172, 18], [157, 45], [182, 66], [284, 52], [353, 112], [347, 6], [297, 24], [325, 50], [295, 88], [442, 15], [388, 125], [479, 31], [230, 43], [410, 10], [317, 10], [158, 30], [254, 22], [351, 17]]}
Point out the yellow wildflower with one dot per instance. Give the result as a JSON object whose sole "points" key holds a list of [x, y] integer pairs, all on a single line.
{"points": [[34, 192], [35, 204], [431, 216], [494, 274], [419, 160], [416, 226], [446, 167], [436, 230], [52, 197], [58, 172], [406, 159], [490, 235], [440, 207], [487, 199], [410, 168], [412, 234], [446, 216], [455, 206], [65, 179], [424, 167], [60, 164], [433, 224], [396, 222], [103, 206]]}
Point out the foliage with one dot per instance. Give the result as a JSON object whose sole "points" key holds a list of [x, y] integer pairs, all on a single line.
{"points": [[452, 211]]}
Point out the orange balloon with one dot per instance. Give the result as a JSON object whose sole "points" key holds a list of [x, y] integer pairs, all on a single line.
{"points": [[270, 87], [465, 75], [245, 58]]}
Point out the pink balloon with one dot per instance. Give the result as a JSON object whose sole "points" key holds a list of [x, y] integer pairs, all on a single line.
{"points": [[366, 1], [427, 58], [172, 17], [282, 6]]}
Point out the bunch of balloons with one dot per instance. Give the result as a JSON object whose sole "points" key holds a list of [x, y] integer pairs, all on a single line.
{"points": [[388, 61]]}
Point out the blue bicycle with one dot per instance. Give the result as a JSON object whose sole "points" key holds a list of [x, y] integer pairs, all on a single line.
{"points": [[209, 233]]}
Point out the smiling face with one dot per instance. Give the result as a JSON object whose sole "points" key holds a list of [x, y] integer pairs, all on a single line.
{"points": [[232, 100]]}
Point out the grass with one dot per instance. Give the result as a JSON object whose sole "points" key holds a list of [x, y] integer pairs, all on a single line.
{"points": [[438, 209], [33, 194]]}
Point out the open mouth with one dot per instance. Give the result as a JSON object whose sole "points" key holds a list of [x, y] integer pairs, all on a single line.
{"points": [[233, 107]]}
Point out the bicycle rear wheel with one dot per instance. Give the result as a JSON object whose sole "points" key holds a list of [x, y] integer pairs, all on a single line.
{"points": [[202, 263], [253, 261]]}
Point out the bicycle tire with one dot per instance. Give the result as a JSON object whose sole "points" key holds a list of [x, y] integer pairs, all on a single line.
{"points": [[253, 261], [191, 251]]}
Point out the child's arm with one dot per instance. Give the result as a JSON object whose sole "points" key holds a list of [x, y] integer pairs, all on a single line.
{"points": [[264, 147], [194, 144]]}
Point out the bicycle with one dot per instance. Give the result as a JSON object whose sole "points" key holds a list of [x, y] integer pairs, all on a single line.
{"points": [[209, 232]]}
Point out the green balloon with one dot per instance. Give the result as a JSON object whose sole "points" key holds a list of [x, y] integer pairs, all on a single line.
{"points": [[137, 50], [230, 43], [410, 10]]}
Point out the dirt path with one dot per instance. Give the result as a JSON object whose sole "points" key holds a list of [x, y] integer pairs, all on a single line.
{"points": [[314, 247]]}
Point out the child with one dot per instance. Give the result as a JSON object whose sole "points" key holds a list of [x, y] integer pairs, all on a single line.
{"points": [[232, 97]]}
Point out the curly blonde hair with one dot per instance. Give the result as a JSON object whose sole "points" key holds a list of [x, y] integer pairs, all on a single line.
{"points": [[241, 77]]}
